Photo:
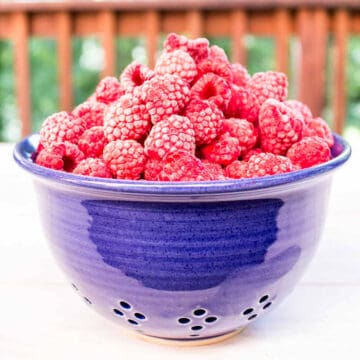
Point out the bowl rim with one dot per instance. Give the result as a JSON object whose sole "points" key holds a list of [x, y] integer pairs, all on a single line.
{"points": [[23, 156]]}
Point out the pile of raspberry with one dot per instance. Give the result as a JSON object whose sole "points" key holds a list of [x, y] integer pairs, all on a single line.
{"points": [[194, 117]]}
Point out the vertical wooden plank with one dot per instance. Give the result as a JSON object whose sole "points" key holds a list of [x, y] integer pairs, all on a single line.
{"points": [[152, 20], [282, 24], [195, 24], [64, 49], [107, 24], [238, 31], [341, 28], [20, 28]]}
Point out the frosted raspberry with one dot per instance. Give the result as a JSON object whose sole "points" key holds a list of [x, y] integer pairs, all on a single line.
{"points": [[92, 167], [72, 156], [213, 88], [171, 135], [247, 155], [108, 90], [265, 164], [92, 112], [206, 118], [92, 142], [174, 42], [215, 170], [240, 75], [216, 52], [52, 157], [125, 159], [309, 151], [126, 119], [300, 108], [61, 127], [279, 126], [165, 95], [178, 63], [237, 106], [318, 127], [134, 75], [243, 130], [237, 170], [217, 65], [152, 169], [222, 150]]}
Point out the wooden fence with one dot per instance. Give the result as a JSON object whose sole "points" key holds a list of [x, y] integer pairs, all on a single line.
{"points": [[313, 22]]}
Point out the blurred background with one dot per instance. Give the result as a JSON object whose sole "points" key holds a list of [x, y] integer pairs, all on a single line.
{"points": [[53, 53]]}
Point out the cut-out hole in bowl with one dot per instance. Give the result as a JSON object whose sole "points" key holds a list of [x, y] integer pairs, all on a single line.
{"points": [[199, 312], [211, 319], [184, 320], [267, 305], [125, 305], [248, 311], [263, 298], [118, 312], [140, 316], [196, 328], [132, 322]]}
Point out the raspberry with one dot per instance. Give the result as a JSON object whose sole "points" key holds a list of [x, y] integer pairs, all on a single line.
{"points": [[126, 119], [240, 75], [217, 65], [309, 151], [222, 150], [165, 95], [268, 164], [237, 106], [72, 156], [206, 118], [134, 76], [279, 126], [171, 135], [92, 112], [300, 108], [92, 167], [61, 127], [215, 170], [237, 170], [213, 88], [174, 42], [178, 63], [247, 155], [92, 142], [243, 130], [318, 127], [152, 169], [125, 159], [217, 52], [108, 90]]}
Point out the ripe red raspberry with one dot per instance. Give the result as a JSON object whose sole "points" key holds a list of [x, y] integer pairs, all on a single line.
{"points": [[108, 90], [237, 170], [279, 126], [92, 167], [92, 112], [125, 159], [213, 88], [134, 75], [171, 135], [318, 127], [152, 169], [206, 118], [126, 119], [61, 127], [247, 155], [265, 164], [178, 63], [215, 170], [92, 142], [164, 95], [243, 130], [309, 151], [300, 108], [237, 106], [223, 150], [240, 75], [217, 64]]}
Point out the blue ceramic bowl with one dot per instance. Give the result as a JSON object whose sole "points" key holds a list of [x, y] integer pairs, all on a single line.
{"points": [[183, 261]]}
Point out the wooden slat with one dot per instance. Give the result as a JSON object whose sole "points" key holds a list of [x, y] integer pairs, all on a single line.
{"points": [[152, 36], [282, 21], [64, 49], [107, 24], [238, 32], [195, 24], [22, 70], [341, 27]]}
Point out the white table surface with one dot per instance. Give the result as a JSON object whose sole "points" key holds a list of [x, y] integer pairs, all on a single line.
{"points": [[42, 318]]}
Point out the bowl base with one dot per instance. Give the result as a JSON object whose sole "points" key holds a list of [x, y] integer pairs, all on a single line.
{"points": [[191, 342]]}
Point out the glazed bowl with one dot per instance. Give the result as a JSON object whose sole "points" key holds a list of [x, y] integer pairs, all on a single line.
{"points": [[183, 261]]}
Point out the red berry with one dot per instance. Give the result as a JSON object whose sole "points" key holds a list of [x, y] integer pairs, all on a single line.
{"points": [[240, 75], [279, 126], [206, 118], [108, 90], [61, 127], [237, 170], [92, 112], [216, 64], [308, 152], [318, 127], [222, 150], [134, 75], [152, 169], [247, 155], [178, 63], [125, 159], [213, 88], [300, 108], [238, 104], [52, 157], [126, 119], [92, 142], [165, 95], [215, 170], [171, 135], [92, 167]]}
